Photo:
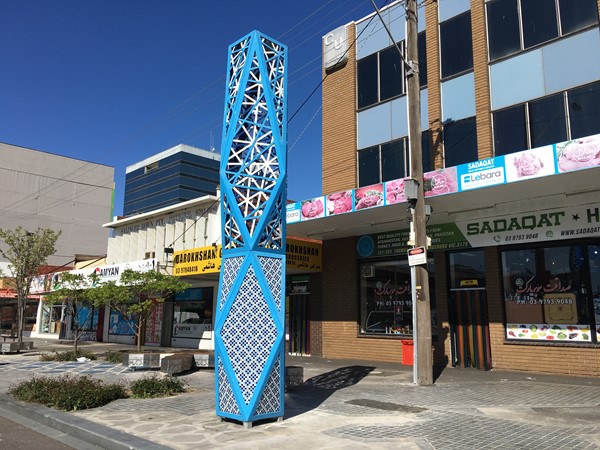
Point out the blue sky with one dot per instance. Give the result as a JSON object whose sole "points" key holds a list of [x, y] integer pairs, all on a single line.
{"points": [[116, 81]]}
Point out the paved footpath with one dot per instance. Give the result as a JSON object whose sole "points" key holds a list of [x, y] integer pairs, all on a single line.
{"points": [[342, 405]]}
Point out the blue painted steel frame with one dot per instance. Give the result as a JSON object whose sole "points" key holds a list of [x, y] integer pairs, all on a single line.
{"points": [[250, 318]]}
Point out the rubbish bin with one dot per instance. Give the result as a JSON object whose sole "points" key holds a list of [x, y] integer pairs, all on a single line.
{"points": [[407, 352]]}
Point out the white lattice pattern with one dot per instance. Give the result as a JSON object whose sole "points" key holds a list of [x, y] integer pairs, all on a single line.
{"points": [[270, 402], [231, 267], [249, 334], [227, 401], [272, 268]]}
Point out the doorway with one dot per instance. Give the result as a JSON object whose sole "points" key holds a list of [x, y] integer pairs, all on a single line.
{"points": [[468, 311], [298, 317]]}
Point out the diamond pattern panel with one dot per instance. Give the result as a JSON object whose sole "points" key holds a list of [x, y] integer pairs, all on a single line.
{"points": [[272, 268], [231, 267], [227, 401], [249, 334], [270, 402]]}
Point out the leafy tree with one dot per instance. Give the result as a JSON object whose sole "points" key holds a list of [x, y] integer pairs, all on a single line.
{"points": [[73, 290], [26, 252], [136, 295]]}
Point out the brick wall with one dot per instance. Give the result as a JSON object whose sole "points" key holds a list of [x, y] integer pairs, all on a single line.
{"points": [[482, 80], [433, 84], [339, 124]]}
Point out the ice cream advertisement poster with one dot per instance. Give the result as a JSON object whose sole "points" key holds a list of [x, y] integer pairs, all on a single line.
{"points": [[339, 203], [440, 182], [553, 224], [368, 197], [312, 209]]}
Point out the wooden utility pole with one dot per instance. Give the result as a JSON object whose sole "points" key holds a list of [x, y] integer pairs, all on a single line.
{"points": [[424, 356]]}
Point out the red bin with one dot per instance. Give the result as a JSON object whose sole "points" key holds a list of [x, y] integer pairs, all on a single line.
{"points": [[407, 352]]}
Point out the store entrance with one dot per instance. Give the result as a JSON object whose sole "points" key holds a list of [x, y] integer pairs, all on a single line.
{"points": [[298, 317], [468, 311]]}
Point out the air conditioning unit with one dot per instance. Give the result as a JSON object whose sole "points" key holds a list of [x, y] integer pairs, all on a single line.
{"points": [[149, 255], [368, 271]]}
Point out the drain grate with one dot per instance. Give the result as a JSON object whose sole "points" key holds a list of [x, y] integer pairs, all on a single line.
{"points": [[385, 406]]}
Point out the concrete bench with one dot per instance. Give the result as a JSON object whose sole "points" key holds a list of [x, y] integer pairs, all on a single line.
{"points": [[9, 347], [176, 363], [8, 336], [294, 377], [203, 359], [143, 360]]}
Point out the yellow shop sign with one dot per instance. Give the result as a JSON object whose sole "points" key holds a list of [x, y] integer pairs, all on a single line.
{"points": [[197, 261]]}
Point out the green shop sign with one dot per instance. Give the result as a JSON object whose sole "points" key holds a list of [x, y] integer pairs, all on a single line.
{"points": [[445, 236]]}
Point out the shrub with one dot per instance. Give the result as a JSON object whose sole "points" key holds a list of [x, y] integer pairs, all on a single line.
{"points": [[67, 392], [69, 355], [114, 357], [151, 387]]}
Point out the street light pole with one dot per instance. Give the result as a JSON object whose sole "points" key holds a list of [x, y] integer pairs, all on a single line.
{"points": [[423, 350]]}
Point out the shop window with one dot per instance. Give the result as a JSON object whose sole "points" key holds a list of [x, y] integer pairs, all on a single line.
{"points": [[503, 28], [386, 298], [367, 81], [510, 130], [547, 120], [539, 21], [546, 295], [460, 142], [193, 313], [594, 259], [368, 166], [467, 269], [456, 45], [584, 110]]}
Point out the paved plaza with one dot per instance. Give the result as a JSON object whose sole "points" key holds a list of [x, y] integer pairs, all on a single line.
{"points": [[342, 404]]}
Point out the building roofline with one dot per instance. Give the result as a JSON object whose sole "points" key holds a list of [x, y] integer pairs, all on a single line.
{"points": [[165, 210], [172, 151]]}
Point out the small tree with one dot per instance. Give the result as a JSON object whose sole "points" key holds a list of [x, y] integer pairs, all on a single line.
{"points": [[26, 252], [74, 291], [136, 295]]}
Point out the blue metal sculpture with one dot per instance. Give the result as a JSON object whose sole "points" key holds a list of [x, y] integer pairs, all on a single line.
{"points": [[249, 323]]}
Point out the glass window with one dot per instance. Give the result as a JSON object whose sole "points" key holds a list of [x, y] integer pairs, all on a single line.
{"points": [[545, 294], [594, 259], [193, 313], [367, 81], [510, 130], [368, 166], [391, 73], [456, 45], [460, 142], [547, 120], [503, 28], [392, 161], [584, 110], [386, 298], [539, 21], [467, 269], [426, 150], [422, 47], [578, 14]]}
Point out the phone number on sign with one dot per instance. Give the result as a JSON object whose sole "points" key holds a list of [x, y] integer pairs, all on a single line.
{"points": [[521, 237], [547, 301]]}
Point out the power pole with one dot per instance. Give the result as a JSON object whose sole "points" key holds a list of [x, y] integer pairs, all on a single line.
{"points": [[423, 356], [423, 348]]}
